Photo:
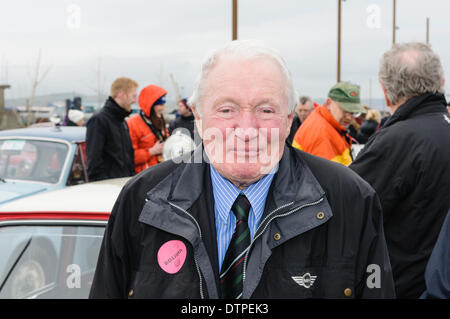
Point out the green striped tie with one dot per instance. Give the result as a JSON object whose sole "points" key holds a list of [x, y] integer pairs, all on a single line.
{"points": [[231, 281]]}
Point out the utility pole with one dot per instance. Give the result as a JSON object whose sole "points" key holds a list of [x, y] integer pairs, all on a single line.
{"points": [[394, 22], [428, 31], [2, 98], [235, 23], [339, 42]]}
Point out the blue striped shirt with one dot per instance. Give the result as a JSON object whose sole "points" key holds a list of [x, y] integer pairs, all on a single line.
{"points": [[225, 193]]}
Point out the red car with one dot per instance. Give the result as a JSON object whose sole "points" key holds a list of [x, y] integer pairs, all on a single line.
{"points": [[49, 242]]}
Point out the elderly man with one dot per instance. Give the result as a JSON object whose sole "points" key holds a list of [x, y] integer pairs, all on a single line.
{"points": [[324, 133], [407, 161], [302, 111], [250, 217]]}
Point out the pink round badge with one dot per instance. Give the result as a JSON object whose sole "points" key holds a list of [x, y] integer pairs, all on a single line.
{"points": [[171, 256]]}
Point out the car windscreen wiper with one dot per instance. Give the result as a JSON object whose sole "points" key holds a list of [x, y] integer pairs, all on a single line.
{"points": [[15, 263]]}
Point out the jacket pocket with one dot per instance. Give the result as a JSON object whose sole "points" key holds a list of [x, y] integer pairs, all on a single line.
{"points": [[154, 283], [304, 281]]}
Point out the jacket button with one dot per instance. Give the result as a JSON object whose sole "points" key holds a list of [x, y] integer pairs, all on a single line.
{"points": [[320, 215], [131, 293], [277, 236], [348, 292]]}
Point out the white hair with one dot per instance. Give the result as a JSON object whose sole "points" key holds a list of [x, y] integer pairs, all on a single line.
{"points": [[245, 49]]}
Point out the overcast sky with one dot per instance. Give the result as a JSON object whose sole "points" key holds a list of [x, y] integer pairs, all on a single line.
{"points": [[148, 39]]}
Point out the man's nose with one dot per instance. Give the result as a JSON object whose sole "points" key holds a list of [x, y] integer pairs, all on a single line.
{"points": [[247, 125]]}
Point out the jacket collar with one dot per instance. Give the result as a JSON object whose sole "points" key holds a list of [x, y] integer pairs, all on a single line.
{"points": [[168, 205], [293, 184], [323, 112], [425, 103], [115, 110]]}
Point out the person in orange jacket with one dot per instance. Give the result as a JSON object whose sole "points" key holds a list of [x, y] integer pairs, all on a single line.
{"points": [[148, 129], [324, 132]]}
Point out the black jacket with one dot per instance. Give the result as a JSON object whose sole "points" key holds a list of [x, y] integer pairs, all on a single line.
{"points": [[367, 129], [407, 162], [437, 277], [185, 122], [295, 126], [109, 149], [320, 220]]}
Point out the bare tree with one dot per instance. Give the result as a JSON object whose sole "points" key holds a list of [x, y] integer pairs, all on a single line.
{"points": [[37, 78], [4, 70]]}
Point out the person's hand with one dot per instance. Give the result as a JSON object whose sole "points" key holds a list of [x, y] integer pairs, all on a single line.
{"points": [[157, 148]]}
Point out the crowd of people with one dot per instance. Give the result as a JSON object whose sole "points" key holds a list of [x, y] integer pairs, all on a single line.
{"points": [[233, 229]]}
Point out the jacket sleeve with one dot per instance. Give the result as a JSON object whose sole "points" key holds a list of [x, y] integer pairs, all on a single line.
{"points": [[95, 142], [437, 273], [113, 266], [374, 274], [141, 155]]}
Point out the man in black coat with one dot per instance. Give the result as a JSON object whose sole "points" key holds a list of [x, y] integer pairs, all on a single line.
{"points": [[109, 149], [407, 161], [308, 227]]}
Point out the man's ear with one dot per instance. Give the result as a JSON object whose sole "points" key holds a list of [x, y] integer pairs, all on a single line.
{"points": [[328, 103], [290, 119], [198, 121], [442, 83], [388, 103]]}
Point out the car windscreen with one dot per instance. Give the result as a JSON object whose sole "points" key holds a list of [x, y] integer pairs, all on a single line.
{"points": [[51, 262], [32, 160]]}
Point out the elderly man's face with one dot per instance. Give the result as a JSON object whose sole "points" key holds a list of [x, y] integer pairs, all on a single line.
{"points": [[244, 120]]}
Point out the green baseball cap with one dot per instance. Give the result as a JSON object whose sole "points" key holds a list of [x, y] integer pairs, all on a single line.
{"points": [[347, 95]]}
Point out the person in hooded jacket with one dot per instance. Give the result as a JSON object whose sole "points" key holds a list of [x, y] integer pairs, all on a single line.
{"points": [[108, 145], [148, 129]]}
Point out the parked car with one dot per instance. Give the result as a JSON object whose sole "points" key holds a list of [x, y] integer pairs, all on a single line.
{"points": [[49, 242], [39, 159], [88, 111]]}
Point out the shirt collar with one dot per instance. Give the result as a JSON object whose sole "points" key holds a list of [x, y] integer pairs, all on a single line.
{"points": [[225, 193]]}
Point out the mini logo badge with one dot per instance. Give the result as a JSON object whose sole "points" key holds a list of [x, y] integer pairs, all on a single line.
{"points": [[307, 280], [353, 94]]}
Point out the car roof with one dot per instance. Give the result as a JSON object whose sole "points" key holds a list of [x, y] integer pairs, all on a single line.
{"points": [[84, 199], [67, 133]]}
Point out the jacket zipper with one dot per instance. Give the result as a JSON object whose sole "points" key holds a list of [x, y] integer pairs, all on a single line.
{"points": [[195, 258], [268, 223]]}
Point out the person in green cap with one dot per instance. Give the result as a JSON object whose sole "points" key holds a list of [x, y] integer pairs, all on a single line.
{"points": [[324, 132]]}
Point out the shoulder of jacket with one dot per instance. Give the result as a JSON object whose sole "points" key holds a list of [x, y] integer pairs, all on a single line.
{"points": [[335, 177], [149, 178]]}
